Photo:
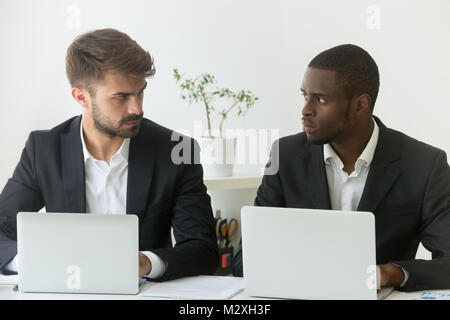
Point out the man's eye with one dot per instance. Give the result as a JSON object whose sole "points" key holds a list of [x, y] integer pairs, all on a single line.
{"points": [[121, 97], [322, 100], [305, 96]]}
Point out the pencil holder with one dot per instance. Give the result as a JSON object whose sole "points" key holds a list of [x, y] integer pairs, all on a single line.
{"points": [[226, 261]]}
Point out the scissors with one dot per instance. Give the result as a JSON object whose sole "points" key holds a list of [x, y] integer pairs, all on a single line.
{"points": [[217, 223], [227, 230]]}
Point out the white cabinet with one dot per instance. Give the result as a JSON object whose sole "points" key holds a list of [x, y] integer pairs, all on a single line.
{"points": [[230, 194]]}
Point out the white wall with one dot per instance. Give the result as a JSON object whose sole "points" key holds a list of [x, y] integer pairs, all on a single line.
{"points": [[263, 46]]}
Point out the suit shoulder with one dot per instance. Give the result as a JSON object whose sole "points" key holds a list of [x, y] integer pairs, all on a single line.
{"points": [[155, 128], [56, 131], [412, 147], [298, 138], [294, 142], [161, 134]]}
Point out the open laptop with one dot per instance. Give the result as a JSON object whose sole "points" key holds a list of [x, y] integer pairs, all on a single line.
{"points": [[77, 253], [309, 254]]}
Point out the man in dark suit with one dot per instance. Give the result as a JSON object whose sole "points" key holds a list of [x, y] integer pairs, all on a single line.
{"points": [[111, 160], [347, 159]]}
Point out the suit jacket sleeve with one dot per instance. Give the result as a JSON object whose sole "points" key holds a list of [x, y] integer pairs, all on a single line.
{"points": [[195, 251], [21, 193], [434, 233], [269, 194]]}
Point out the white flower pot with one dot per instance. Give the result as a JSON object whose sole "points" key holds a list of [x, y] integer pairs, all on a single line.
{"points": [[217, 155]]}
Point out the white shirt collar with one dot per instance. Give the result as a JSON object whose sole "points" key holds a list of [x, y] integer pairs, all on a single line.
{"points": [[366, 156], [123, 151]]}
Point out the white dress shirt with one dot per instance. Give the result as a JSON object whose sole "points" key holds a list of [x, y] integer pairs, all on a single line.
{"points": [[345, 189], [106, 193], [106, 190]]}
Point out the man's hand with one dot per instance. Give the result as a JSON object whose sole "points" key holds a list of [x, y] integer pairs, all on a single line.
{"points": [[391, 275], [145, 265]]}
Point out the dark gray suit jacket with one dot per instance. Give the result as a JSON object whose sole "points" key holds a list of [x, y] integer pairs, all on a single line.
{"points": [[407, 189], [162, 194]]}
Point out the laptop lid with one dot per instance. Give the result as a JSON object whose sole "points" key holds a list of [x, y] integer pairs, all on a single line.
{"points": [[77, 253], [308, 254]]}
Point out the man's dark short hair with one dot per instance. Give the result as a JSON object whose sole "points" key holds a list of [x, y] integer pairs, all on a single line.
{"points": [[356, 71]]}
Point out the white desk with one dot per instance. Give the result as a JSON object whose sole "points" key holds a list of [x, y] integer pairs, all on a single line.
{"points": [[7, 293]]}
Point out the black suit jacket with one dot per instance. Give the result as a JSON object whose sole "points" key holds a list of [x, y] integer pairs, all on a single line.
{"points": [[407, 189], [161, 193]]}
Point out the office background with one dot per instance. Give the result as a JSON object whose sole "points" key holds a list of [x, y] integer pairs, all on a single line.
{"points": [[262, 46]]}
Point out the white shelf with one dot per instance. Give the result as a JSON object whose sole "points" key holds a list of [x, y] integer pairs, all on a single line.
{"points": [[237, 181]]}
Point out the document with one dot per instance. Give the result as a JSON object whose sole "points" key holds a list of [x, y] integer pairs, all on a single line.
{"points": [[200, 287], [383, 293], [432, 295]]}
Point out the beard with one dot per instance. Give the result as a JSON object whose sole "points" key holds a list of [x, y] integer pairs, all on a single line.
{"points": [[333, 136], [107, 126]]}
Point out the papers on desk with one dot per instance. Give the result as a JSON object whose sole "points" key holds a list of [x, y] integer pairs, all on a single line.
{"points": [[432, 295], [383, 293], [201, 287], [9, 280]]}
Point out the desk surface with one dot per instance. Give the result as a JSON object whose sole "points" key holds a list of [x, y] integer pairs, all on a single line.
{"points": [[7, 293]]}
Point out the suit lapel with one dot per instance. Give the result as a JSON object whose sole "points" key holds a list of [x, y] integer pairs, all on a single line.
{"points": [[73, 168], [141, 162], [317, 179], [383, 171]]}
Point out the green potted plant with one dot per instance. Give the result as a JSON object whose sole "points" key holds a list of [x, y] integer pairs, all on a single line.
{"points": [[217, 150]]}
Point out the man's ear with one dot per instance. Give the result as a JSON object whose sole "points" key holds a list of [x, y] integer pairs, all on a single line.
{"points": [[363, 103], [82, 97]]}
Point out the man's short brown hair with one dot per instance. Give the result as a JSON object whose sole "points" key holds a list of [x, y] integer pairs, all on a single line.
{"points": [[105, 50]]}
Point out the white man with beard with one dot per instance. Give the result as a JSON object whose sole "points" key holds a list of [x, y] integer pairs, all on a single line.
{"points": [[112, 160]]}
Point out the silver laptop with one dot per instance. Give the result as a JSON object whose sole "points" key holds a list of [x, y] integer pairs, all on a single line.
{"points": [[308, 254], [77, 253]]}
